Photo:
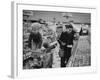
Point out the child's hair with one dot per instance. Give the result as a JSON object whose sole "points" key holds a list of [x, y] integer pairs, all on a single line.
{"points": [[68, 26]]}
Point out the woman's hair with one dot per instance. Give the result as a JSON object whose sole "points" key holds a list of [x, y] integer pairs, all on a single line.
{"points": [[36, 38]]}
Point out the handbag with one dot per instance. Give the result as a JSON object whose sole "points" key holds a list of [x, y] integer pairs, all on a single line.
{"points": [[61, 53]]}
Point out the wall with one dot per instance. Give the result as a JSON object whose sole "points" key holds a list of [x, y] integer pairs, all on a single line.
{"points": [[49, 15]]}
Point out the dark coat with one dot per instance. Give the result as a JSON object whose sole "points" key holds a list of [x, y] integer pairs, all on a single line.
{"points": [[66, 38]]}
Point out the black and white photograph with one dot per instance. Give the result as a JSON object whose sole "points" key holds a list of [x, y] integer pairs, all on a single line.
{"points": [[50, 40], [55, 39]]}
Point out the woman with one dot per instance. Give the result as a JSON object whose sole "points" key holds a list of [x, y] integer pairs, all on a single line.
{"points": [[35, 42], [35, 38]]}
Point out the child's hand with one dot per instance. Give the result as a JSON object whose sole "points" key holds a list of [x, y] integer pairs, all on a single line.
{"points": [[63, 43]]}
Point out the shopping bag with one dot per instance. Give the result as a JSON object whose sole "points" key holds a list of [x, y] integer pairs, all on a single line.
{"points": [[61, 53]]}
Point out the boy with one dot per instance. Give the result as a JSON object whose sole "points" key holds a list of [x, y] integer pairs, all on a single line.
{"points": [[66, 43]]}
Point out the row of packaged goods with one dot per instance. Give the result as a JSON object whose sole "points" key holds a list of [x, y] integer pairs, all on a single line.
{"points": [[82, 59], [82, 56]]}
